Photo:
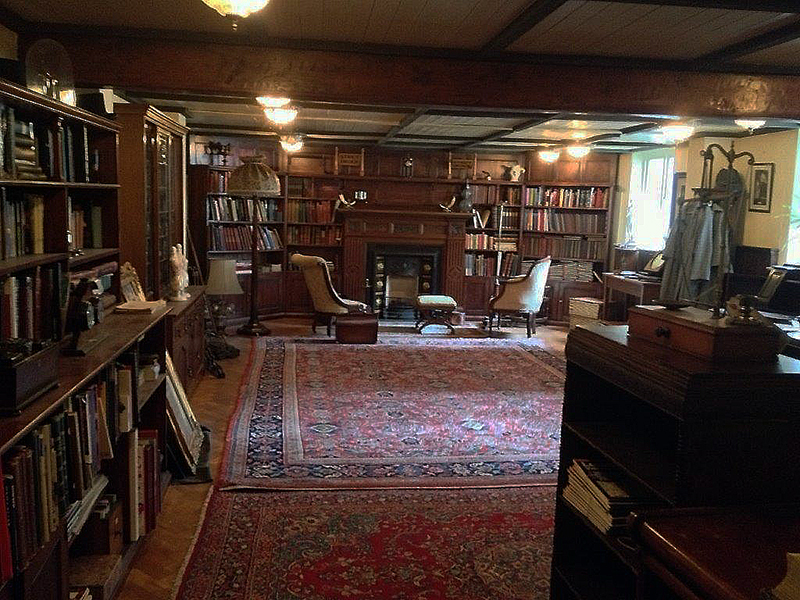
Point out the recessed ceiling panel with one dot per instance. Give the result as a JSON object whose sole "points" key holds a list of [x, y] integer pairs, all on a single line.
{"points": [[581, 27], [784, 55]]}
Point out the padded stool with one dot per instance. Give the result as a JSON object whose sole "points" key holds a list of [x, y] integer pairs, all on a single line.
{"points": [[435, 310]]}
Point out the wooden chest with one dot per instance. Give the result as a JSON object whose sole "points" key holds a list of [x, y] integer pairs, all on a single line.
{"points": [[357, 328], [694, 331]]}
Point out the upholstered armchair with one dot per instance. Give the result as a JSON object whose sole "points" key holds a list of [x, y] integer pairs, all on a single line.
{"points": [[327, 303], [521, 295]]}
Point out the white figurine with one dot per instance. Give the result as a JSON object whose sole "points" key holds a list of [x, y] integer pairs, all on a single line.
{"points": [[179, 272]]}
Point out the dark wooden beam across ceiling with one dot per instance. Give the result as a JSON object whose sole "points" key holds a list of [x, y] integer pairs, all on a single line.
{"points": [[522, 24], [779, 6], [768, 39], [405, 122], [505, 132], [353, 78]]}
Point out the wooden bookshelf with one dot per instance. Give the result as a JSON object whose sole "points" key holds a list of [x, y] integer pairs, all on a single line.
{"points": [[691, 433]]}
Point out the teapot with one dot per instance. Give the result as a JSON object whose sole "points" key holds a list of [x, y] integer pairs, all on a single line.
{"points": [[512, 172]]}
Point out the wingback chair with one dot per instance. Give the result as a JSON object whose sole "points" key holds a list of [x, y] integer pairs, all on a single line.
{"points": [[521, 295], [327, 303]]}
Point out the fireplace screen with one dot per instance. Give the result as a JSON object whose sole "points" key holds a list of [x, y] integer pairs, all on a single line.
{"points": [[398, 276]]}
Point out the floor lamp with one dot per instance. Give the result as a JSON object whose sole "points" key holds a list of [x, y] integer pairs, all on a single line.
{"points": [[253, 180]]}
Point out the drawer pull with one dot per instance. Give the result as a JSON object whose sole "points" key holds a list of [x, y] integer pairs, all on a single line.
{"points": [[663, 332]]}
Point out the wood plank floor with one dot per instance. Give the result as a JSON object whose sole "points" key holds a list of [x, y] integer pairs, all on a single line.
{"points": [[162, 554]]}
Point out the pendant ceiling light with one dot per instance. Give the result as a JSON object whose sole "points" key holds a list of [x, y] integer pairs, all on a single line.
{"points": [[272, 101], [549, 156], [291, 143], [578, 151], [750, 123], [281, 115], [674, 134], [236, 8]]}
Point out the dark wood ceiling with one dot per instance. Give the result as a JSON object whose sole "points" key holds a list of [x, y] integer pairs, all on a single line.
{"points": [[692, 35]]}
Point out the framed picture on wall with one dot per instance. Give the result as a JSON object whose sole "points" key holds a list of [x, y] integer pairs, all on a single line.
{"points": [[761, 178]]}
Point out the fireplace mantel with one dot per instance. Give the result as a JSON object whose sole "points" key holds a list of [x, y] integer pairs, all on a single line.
{"points": [[396, 225]]}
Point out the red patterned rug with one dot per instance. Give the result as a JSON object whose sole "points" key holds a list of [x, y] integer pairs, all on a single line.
{"points": [[376, 545], [433, 413]]}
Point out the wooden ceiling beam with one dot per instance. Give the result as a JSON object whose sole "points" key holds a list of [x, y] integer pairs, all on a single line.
{"points": [[768, 39], [346, 77], [407, 120], [779, 6], [505, 132], [534, 14]]}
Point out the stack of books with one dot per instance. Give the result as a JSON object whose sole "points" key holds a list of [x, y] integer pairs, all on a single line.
{"points": [[604, 494]]}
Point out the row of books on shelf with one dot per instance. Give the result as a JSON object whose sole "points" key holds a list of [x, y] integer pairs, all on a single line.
{"points": [[566, 247], [320, 236], [484, 241], [571, 270], [509, 264], [490, 194], [244, 268], [604, 494], [480, 265], [229, 208], [28, 150], [86, 225], [239, 238], [22, 219], [31, 303], [309, 211], [547, 219], [568, 197], [56, 474]]}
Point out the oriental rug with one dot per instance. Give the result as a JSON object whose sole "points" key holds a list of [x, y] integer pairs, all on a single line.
{"points": [[373, 545], [428, 414]]}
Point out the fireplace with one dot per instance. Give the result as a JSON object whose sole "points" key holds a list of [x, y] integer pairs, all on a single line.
{"points": [[398, 274]]}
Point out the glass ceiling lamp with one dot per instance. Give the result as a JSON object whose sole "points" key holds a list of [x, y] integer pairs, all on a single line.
{"points": [[578, 151], [281, 115], [236, 8], [272, 101], [254, 180], [291, 143], [549, 156], [675, 134]]}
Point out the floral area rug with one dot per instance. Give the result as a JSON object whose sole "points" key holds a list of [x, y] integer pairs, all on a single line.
{"points": [[374, 545], [429, 413]]}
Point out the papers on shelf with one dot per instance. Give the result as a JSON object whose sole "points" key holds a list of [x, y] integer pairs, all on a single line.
{"points": [[140, 306]]}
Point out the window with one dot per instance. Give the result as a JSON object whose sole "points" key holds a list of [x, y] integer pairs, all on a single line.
{"points": [[649, 204], [793, 246]]}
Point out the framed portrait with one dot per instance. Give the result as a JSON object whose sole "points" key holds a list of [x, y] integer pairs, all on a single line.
{"points": [[678, 192], [761, 178]]}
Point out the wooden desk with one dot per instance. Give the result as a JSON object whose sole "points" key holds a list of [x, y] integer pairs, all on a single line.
{"points": [[644, 291], [715, 554]]}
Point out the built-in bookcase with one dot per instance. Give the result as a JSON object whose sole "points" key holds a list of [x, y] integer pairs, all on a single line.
{"points": [[58, 209], [95, 443]]}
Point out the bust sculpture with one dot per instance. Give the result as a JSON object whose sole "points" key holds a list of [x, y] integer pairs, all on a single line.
{"points": [[179, 275]]}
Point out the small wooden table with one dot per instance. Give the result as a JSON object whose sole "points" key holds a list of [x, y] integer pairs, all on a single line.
{"points": [[644, 291]]}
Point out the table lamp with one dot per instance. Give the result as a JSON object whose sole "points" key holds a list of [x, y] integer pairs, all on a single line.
{"points": [[222, 281]]}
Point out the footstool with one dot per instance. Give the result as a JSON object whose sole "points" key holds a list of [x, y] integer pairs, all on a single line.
{"points": [[357, 328], [435, 310]]}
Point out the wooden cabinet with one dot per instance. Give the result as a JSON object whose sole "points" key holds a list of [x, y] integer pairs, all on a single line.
{"points": [[152, 198], [298, 300], [477, 292], [186, 339], [691, 434]]}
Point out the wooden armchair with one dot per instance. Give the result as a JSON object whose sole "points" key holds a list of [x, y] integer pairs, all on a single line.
{"points": [[521, 295], [327, 303]]}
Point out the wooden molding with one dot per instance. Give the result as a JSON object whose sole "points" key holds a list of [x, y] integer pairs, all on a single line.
{"points": [[311, 75]]}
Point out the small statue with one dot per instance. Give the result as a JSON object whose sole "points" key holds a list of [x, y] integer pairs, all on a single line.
{"points": [[179, 275], [512, 172], [449, 207]]}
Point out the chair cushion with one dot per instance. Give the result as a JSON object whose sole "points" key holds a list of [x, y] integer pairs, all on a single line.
{"points": [[434, 302]]}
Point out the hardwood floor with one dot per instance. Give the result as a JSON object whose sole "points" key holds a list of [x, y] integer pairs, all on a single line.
{"points": [[159, 560]]}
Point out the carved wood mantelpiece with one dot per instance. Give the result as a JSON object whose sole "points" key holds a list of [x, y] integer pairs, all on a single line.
{"points": [[415, 227]]}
